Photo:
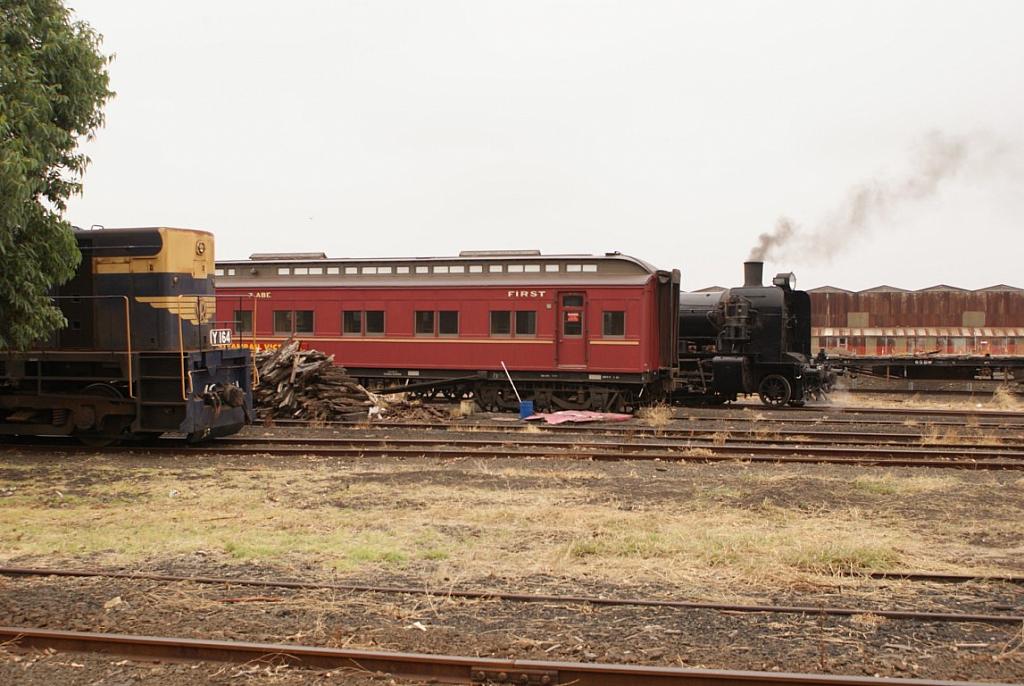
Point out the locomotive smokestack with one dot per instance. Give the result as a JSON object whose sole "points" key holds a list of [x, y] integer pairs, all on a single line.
{"points": [[753, 272]]}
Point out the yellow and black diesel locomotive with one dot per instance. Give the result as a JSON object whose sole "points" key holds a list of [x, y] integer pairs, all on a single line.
{"points": [[141, 353]]}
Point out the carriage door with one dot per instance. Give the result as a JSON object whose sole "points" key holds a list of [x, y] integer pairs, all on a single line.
{"points": [[572, 330]]}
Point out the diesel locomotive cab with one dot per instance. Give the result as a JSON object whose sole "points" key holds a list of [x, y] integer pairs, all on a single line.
{"points": [[136, 357], [751, 339]]}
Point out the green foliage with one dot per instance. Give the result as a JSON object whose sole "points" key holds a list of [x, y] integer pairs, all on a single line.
{"points": [[53, 84]]}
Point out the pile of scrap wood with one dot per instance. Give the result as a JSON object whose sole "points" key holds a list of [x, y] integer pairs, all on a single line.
{"points": [[306, 384]]}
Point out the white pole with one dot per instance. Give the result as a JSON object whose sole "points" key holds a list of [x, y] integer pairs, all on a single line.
{"points": [[510, 381]]}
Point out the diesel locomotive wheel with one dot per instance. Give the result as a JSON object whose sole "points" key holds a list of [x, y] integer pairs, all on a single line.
{"points": [[775, 390], [109, 430]]}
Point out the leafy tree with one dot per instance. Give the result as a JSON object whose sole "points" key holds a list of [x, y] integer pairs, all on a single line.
{"points": [[53, 84]]}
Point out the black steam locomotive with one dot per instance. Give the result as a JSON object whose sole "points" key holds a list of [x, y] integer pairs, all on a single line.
{"points": [[141, 354], [753, 339]]}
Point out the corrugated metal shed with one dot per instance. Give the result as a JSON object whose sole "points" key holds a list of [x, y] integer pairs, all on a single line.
{"points": [[927, 308]]}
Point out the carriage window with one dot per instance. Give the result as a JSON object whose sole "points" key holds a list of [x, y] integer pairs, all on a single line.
{"points": [[572, 323], [572, 301], [374, 322], [501, 323], [304, 321], [424, 322], [243, 321], [351, 322], [448, 322], [614, 324], [526, 323], [282, 321]]}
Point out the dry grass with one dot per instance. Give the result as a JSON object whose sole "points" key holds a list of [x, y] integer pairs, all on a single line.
{"points": [[488, 518], [890, 484], [656, 416], [1006, 399]]}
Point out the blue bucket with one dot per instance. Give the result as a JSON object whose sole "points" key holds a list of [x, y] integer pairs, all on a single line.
{"points": [[525, 409]]}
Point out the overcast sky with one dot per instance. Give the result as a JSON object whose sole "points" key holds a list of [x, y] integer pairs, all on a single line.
{"points": [[673, 131]]}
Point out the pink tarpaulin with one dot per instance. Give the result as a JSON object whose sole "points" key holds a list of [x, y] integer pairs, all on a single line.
{"points": [[579, 416]]}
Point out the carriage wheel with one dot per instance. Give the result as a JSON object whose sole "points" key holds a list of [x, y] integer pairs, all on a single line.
{"points": [[775, 390]]}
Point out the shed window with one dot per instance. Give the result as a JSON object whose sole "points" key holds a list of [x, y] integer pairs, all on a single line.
{"points": [[494, 268], [475, 269], [402, 270], [501, 322], [218, 272], [316, 270], [302, 271], [422, 270], [231, 271], [551, 267], [443, 269], [448, 322], [352, 322], [531, 268], [614, 324], [590, 267], [574, 267], [369, 270], [424, 322], [281, 271], [383, 270], [374, 322], [515, 268], [457, 269], [351, 270], [332, 270]]}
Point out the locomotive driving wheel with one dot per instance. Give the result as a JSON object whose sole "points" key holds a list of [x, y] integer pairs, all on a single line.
{"points": [[775, 390]]}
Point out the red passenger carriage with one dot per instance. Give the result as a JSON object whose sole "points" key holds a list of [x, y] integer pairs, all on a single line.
{"points": [[575, 331]]}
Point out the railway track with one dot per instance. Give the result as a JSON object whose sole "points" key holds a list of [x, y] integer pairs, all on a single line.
{"points": [[448, 592], [502, 447], [423, 667], [499, 448]]}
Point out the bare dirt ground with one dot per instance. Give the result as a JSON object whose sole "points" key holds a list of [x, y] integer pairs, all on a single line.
{"points": [[734, 532]]}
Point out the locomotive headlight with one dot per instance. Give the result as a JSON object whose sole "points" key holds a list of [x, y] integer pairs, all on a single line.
{"points": [[785, 280]]}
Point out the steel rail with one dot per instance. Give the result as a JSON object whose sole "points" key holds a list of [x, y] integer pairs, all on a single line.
{"points": [[859, 457], [823, 610], [514, 425], [433, 668], [659, 442]]}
